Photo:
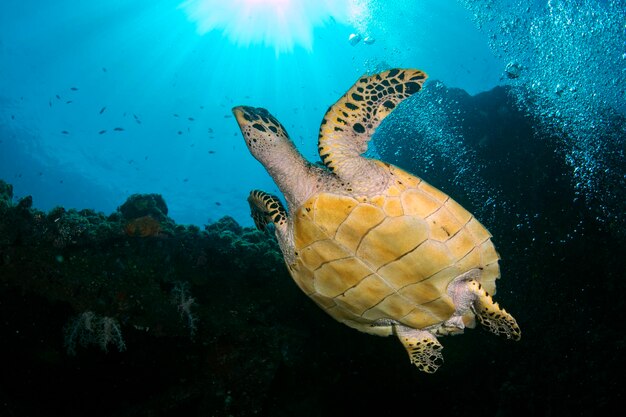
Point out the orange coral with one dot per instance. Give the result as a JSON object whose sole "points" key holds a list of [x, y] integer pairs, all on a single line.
{"points": [[143, 227]]}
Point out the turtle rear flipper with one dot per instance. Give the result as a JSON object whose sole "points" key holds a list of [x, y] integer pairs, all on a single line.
{"points": [[423, 347], [266, 208], [490, 315]]}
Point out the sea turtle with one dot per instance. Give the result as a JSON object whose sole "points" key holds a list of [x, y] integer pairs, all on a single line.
{"points": [[377, 248]]}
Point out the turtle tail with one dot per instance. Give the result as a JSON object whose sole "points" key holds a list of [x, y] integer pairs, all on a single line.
{"points": [[266, 208]]}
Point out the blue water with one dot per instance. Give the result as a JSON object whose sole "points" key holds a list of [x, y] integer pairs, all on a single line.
{"points": [[142, 66], [72, 72]]}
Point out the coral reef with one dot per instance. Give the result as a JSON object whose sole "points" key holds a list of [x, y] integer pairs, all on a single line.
{"points": [[140, 205], [6, 194], [145, 215], [98, 277]]}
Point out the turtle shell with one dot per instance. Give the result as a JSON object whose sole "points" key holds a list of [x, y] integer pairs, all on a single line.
{"points": [[389, 256]]}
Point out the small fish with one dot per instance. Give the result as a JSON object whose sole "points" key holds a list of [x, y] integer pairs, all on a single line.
{"points": [[65, 132], [68, 101], [210, 130], [104, 69], [74, 89], [217, 203], [58, 97], [119, 129], [191, 119], [227, 116], [103, 109], [211, 152], [50, 103], [186, 180], [175, 115], [180, 133], [102, 132], [135, 116], [201, 107]]}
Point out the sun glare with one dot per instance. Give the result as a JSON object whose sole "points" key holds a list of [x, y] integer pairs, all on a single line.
{"points": [[281, 24]]}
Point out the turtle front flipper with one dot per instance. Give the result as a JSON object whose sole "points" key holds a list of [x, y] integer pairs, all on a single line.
{"points": [[490, 315], [423, 347], [349, 124], [266, 208]]}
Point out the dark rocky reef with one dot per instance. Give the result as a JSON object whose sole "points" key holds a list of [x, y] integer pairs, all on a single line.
{"points": [[157, 318]]}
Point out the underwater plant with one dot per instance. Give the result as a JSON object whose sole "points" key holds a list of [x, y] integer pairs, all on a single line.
{"points": [[90, 329], [184, 301]]}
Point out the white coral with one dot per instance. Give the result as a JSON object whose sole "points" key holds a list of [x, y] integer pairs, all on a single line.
{"points": [[90, 329]]}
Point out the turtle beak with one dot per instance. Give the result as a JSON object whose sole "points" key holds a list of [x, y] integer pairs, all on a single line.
{"points": [[240, 114], [245, 115]]}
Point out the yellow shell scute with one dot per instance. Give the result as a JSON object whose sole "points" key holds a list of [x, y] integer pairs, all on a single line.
{"points": [[490, 273], [393, 207], [331, 210], [305, 277], [443, 224], [378, 200], [370, 291], [403, 178], [488, 253], [462, 215], [441, 307], [421, 317], [363, 218], [394, 191], [325, 303], [469, 261], [343, 315], [461, 244], [305, 230], [321, 252], [426, 260], [418, 203], [438, 195], [392, 306], [420, 292], [431, 288], [392, 238], [478, 230], [336, 277]]}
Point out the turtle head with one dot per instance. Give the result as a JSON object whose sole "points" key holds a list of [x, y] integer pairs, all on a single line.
{"points": [[269, 143], [263, 133]]}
